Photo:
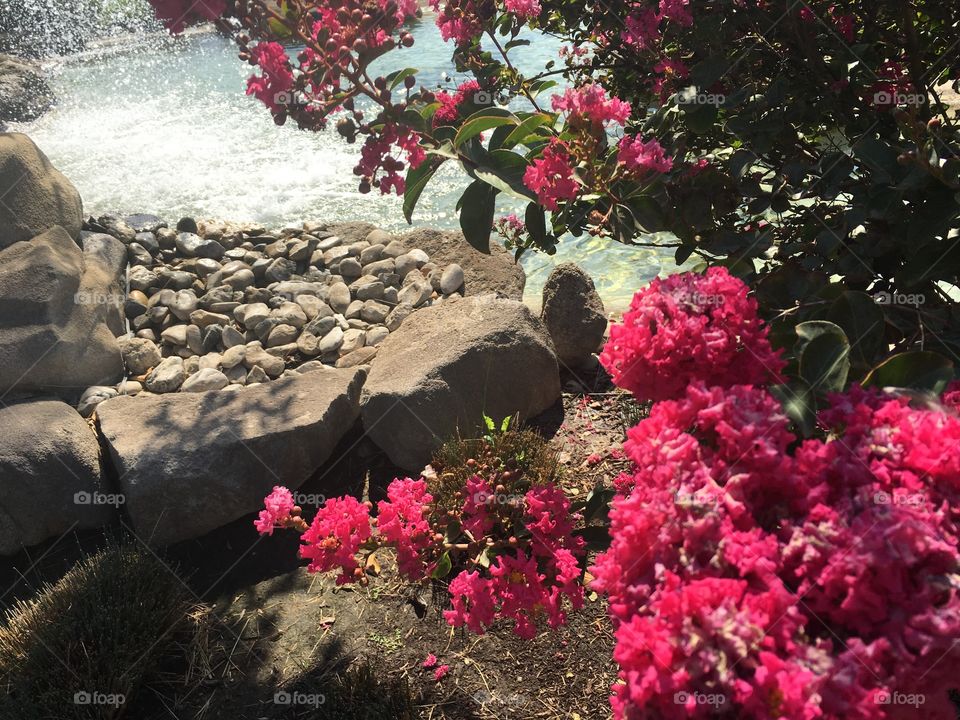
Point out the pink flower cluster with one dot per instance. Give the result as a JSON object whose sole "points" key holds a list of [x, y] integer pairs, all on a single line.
{"points": [[524, 9], [638, 156], [589, 107], [458, 20], [452, 104], [690, 326], [755, 575], [277, 508], [551, 176], [521, 582], [528, 582], [273, 86], [379, 167], [643, 23]]}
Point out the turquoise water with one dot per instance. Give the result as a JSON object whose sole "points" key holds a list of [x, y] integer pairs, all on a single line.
{"points": [[165, 127]]}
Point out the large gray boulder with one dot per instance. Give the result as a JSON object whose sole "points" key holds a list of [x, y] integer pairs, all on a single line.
{"points": [[24, 93], [573, 314], [191, 462], [55, 306], [483, 274], [447, 366], [34, 195], [50, 475]]}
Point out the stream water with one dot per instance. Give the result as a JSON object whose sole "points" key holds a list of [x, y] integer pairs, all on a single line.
{"points": [[163, 126]]}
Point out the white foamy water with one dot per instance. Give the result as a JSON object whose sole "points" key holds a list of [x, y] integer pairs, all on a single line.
{"points": [[165, 127]]}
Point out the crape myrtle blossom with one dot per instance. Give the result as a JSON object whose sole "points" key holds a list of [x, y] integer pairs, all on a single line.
{"points": [[756, 575]]}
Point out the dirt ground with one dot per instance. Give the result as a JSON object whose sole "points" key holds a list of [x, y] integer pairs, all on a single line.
{"points": [[272, 620]]}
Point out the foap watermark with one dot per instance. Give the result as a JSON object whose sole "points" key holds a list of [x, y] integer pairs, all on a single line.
{"points": [[701, 299], [693, 96], [496, 498], [290, 99], [309, 499], [907, 299], [485, 97], [904, 500], [698, 698], [89, 297], [98, 498], [114, 700], [886, 697], [900, 99], [299, 698]]}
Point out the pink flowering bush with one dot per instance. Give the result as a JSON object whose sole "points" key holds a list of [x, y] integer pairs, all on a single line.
{"points": [[756, 574], [661, 122], [506, 546], [688, 327]]}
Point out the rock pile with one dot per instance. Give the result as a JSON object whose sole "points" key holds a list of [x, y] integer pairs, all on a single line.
{"points": [[214, 307]]}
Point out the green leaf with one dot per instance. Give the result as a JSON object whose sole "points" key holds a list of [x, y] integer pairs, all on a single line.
{"points": [[799, 404], [477, 205], [485, 119], [825, 362], [398, 76], [488, 422], [417, 179], [504, 169], [525, 129], [597, 537], [863, 323], [443, 568], [807, 331], [918, 369], [535, 221]]}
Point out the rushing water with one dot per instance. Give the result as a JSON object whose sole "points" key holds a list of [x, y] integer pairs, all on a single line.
{"points": [[164, 127]]}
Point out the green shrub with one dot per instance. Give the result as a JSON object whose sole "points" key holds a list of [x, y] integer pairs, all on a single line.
{"points": [[99, 633]]}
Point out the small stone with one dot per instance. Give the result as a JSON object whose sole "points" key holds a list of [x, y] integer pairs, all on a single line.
{"points": [[241, 279], [312, 306], [308, 344], [350, 268], [371, 254], [420, 256], [391, 296], [377, 335], [233, 356], [92, 397], [210, 360], [415, 294], [257, 356], [191, 364], [167, 376], [203, 318], [394, 249], [279, 270], [256, 375], [138, 255], [129, 387], [353, 310], [290, 314], [339, 298], [194, 339], [320, 326], [329, 243], [205, 380], [370, 291], [352, 340], [362, 356], [254, 314], [238, 374], [406, 264], [193, 245], [396, 317], [452, 279], [282, 335], [374, 312], [231, 337], [175, 335], [184, 303], [141, 278], [139, 354], [212, 338], [332, 341]]}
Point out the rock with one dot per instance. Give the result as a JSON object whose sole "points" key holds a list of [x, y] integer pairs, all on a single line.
{"points": [[332, 341], [36, 196], [339, 298], [447, 366], [167, 376], [50, 476], [24, 93], [279, 270], [142, 222], [350, 268], [55, 304], [256, 376], [396, 317], [142, 279], [105, 263], [138, 255], [374, 312], [175, 335], [452, 279], [282, 335], [415, 294], [205, 380], [94, 396], [117, 227], [233, 356], [187, 225], [308, 344], [573, 314], [129, 387], [353, 339], [361, 356], [211, 360], [493, 273], [231, 337], [193, 245], [183, 304], [376, 335], [290, 314], [192, 462], [204, 318], [139, 355], [257, 356]]}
